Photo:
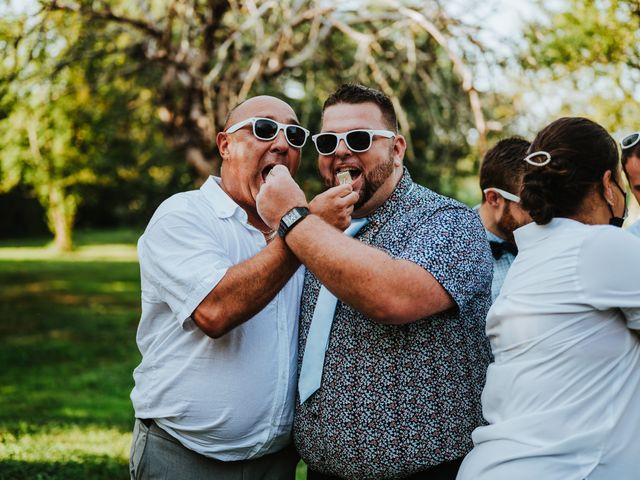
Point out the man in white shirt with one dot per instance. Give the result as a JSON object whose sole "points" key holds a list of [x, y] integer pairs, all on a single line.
{"points": [[501, 174], [214, 392], [631, 166]]}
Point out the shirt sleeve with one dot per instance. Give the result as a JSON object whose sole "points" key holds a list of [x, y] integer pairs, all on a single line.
{"points": [[183, 261], [610, 272], [451, 245]]}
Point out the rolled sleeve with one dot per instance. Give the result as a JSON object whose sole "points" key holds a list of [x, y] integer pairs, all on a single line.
{"points": [[182, 261], [455, 253]]}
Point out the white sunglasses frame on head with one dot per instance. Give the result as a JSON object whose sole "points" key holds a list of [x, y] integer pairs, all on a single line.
{"points": [[281, 126], [632, 144], [503, 193], [343, 136]]}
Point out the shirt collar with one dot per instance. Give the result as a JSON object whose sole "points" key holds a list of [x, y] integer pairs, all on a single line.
{"points": [[534, 233], [222, 204], [492, 237]]}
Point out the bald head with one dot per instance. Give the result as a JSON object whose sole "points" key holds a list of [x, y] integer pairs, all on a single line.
{"points": [[259, 106]]}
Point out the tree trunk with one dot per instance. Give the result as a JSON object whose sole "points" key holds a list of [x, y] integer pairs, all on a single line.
{"points": [[61, 212]]}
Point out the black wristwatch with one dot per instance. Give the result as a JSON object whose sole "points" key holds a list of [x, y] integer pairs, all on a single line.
{"points": [[291, 219]]}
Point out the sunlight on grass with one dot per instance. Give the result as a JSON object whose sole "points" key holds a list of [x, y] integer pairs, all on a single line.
{"points": [[90, 245], [106, 252], [65, 444]]}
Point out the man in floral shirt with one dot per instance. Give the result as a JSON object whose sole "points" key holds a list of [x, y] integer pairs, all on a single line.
{"points": [[407, 354]]}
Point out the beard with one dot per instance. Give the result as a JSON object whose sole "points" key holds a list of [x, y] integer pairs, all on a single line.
{"points": [[373, 180], [507, 224]]}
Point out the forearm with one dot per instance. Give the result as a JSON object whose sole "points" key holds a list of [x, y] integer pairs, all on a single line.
{"points": [[246, 289], [385, 289]]}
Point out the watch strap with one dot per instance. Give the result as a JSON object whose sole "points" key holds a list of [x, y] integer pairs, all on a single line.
{"points": [[291, 219]]}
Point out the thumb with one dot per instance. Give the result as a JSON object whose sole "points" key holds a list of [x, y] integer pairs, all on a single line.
{"points": [[280, 170]]}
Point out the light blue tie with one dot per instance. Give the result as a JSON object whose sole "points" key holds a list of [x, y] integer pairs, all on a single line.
{"points": [[318, 337]]}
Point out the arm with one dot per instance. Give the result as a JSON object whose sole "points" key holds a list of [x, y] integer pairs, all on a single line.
{"points": [[609, 263], [356, 273], [261, 277], [385, 289], [245, 289]]}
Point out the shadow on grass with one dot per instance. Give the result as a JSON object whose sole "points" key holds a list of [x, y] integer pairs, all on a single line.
{"points": [[67, 336], [94, 467]]}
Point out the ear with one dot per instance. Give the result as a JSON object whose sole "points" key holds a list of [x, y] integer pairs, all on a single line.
{"points": [[399, 147], [607, 187], [222, 141], [493, 198]]}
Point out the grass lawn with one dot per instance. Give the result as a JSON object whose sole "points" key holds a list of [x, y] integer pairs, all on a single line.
{"points": [[67, 347]]}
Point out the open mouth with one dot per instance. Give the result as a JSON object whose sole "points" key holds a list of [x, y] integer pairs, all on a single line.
{"points": [[353, 172]]}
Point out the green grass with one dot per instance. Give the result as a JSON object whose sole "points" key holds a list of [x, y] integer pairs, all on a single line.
{"points": [[67, 344], [67, 348]]}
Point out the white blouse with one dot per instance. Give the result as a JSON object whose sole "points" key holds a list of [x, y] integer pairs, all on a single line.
{"points": [[562, 397]]}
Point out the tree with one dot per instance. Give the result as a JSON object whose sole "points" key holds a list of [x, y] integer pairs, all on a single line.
{"points": [[103, 65], [213, 54], [592, 49], [66, 126]]}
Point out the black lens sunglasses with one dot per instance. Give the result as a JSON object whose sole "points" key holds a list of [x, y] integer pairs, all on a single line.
{"points": [[356, 140], [267, 129], [630, 140]]}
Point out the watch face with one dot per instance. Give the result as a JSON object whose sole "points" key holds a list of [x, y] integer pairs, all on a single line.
{"points": [[291, 216]]}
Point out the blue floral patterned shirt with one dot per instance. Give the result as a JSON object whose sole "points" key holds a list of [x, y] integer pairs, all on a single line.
{"points": [[396, 400]]}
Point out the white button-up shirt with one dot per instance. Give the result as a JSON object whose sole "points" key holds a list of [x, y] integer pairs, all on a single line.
{"points": [[563, 396], [230, 398], [635, 228]]}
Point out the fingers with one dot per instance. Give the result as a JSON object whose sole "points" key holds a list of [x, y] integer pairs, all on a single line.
{"points": [[279, 170], [341, 190], [351, 198]]}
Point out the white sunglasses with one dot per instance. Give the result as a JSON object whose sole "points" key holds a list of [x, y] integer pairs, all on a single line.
{"points": [[503, 193], [267, 129], [358, 141]]}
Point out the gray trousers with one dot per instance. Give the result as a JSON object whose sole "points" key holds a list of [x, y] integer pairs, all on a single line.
{"points": [[157, 455]]}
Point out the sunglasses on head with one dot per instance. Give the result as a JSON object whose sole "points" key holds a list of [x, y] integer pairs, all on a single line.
{"points": [[630, 140], [356, 140], [267, 129]]}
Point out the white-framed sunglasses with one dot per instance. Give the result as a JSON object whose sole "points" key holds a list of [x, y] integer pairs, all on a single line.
{"points": [[503, 193], [267, 129], [358, 141], [630, 140]]}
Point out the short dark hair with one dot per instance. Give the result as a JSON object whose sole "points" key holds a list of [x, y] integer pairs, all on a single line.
{"points": [[627, 153], [581, 152], [355, 93], [503, 165]]}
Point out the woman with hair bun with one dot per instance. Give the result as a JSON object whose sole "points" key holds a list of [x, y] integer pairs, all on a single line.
{"points": [[562, 397]]}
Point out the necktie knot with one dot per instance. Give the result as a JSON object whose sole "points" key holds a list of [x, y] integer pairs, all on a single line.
{"points": [[500, 248]]}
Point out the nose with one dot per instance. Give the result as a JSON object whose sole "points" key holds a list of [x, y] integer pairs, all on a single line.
{"points": [[280, 144], [342, 150]]}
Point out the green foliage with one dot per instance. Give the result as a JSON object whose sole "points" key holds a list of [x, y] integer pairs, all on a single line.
{"points": [[77, 129], [591, 51]]}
